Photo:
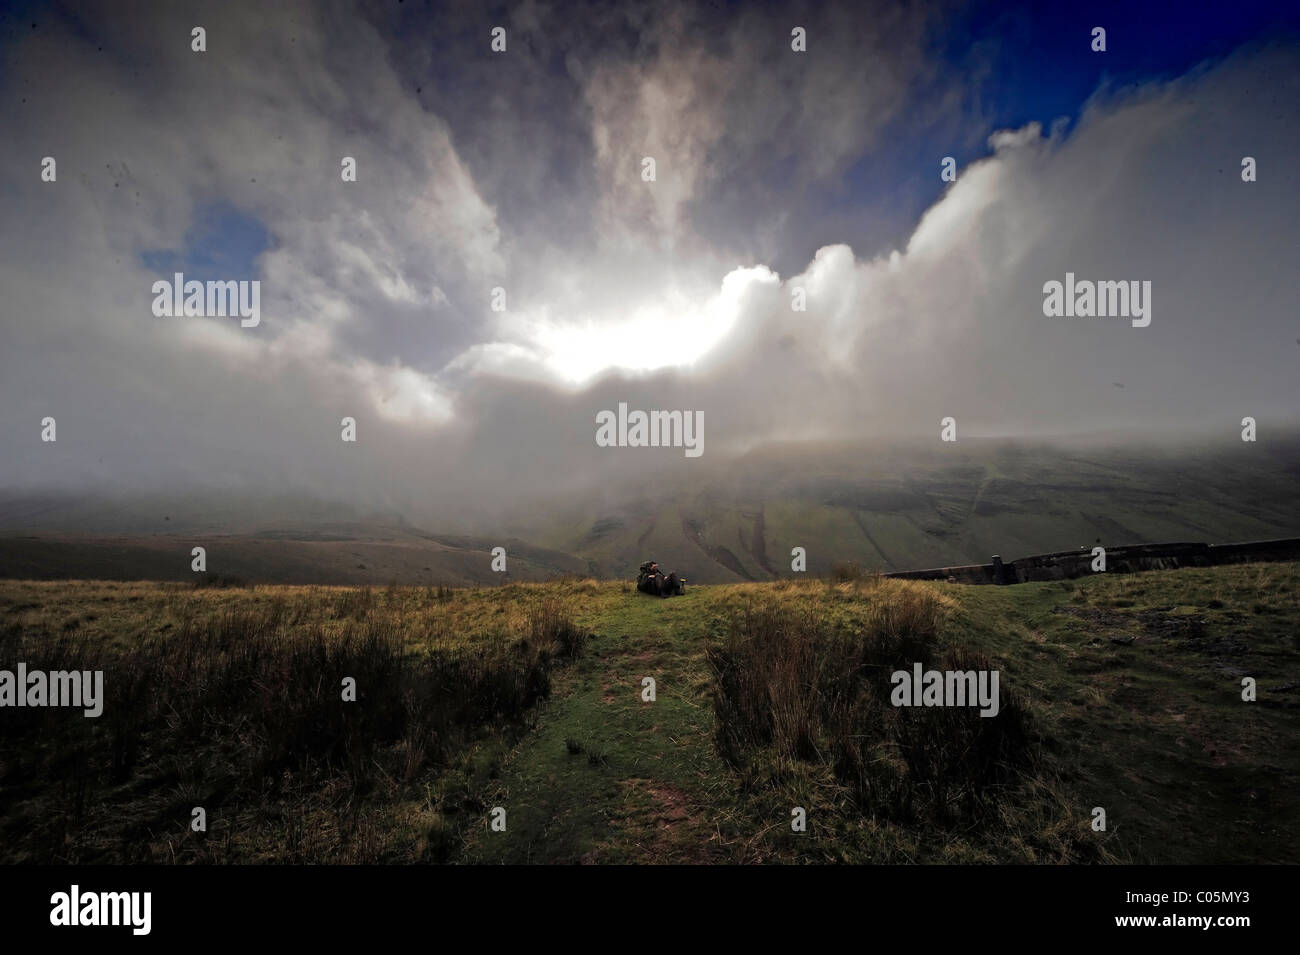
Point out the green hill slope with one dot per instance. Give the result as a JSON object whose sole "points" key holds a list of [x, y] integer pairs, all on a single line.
{"points": [[905, 507]]}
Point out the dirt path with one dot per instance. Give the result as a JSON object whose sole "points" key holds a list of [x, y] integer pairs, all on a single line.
{"points": [[607, 776]]}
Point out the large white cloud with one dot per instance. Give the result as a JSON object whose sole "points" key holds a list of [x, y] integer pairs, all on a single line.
{"points": [[376, 294]]}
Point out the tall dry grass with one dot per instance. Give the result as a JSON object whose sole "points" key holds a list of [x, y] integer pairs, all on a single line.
{"points": [[791, 688], [243, 713]]}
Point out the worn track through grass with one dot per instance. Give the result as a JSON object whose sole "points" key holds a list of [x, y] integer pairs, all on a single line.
{"points": [[1132, 683]]}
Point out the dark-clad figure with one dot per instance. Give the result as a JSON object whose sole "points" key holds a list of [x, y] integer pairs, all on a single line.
{"points": [[651, 580]]}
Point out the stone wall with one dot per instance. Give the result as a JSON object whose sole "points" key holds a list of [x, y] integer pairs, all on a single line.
{"points": [[1127, 559]]}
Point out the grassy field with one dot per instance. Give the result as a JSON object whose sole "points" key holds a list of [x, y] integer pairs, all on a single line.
{"points": [[1119, 692]]}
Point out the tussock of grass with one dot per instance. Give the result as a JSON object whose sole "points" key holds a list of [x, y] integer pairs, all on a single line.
{"points": [[241, 712], [797, 698]]}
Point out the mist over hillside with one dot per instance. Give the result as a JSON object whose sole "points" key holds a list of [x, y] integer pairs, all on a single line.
{"points": [[887, 505], [907, 505]]}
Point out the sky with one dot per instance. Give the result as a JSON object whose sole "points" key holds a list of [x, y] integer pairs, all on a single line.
{"points": [[515, 178]]}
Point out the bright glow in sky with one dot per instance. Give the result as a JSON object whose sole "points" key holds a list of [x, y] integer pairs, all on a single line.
{"points": [[655, 335]]}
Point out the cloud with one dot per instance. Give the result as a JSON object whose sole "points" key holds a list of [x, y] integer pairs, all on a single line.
{"points": [[376, 294]]}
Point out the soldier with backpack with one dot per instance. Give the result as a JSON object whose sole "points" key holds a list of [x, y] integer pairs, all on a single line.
{"points": [[651, 580]]}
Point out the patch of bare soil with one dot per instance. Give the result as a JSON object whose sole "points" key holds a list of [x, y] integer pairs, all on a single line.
{"points": [[1151, 624]]}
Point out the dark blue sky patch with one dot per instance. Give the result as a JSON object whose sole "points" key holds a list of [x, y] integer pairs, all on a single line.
{"points": [[1017, 64], [223, 243], [1045, 66]]}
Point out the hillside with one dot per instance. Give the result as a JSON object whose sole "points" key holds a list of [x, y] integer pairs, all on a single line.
{"points": [[1121, 692], [900, 506], [888, 506], [332, 554]]}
